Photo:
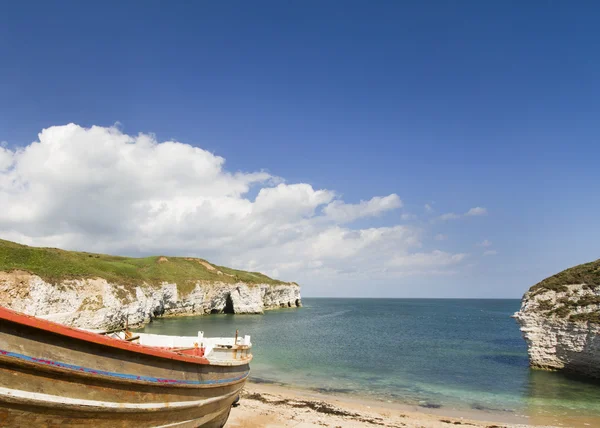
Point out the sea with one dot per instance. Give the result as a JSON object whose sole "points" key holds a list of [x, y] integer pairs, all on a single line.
{"points": [[433, 353]]}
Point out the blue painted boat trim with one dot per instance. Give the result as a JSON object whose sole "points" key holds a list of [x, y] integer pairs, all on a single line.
{"points": [[119, 375]]}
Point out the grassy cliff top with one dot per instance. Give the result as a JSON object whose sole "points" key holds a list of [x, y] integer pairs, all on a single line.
{"points": [[54, 265], [575, 307], [587, 273]]}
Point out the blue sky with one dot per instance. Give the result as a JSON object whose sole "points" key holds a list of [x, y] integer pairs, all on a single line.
{"points": [[452, 104]]}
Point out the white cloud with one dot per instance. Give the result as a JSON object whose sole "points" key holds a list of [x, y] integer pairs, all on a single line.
{"points": [[98, 189], [428, 208], [449, 216], [293, 201], [346, 213], [476, 211], [441, 237], [435, 258], [484, 243], [6, 158], [408, 216], [490, 253]]}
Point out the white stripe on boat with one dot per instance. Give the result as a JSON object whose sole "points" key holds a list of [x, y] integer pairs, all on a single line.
{"points": [[37, 398]]}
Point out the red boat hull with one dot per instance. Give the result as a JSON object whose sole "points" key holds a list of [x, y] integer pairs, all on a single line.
{"points": [[52, 375]]}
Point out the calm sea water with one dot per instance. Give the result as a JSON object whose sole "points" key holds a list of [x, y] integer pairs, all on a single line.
{"points": [[450, 353]]}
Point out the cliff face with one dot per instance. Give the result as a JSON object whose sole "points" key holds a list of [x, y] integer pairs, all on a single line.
{"points": [[560, 321], [102, 291], [98, 304]]}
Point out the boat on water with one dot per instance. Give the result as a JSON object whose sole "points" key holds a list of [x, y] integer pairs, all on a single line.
{"points": [[52, 375]]}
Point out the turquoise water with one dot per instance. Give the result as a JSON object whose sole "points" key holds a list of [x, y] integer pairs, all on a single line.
{"points": [[433, 353]]}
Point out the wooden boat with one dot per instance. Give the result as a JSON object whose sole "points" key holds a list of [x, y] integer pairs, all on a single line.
{"points": [[52, 375]]}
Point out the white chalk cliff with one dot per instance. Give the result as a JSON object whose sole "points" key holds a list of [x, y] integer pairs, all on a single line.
{"points": [[560, 321], [99, 304]]}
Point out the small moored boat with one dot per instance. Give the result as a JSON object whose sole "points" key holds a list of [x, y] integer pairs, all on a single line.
{"points": [[53, 375]]}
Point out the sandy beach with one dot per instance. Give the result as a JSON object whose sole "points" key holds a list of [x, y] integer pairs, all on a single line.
{"points": [[265, 406]]}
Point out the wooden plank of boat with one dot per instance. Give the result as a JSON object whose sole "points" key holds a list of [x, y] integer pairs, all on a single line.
{"points": [[53, 375]]}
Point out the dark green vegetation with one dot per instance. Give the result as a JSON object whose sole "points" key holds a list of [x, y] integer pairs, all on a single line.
{"points": [[587, 273], [55, 265], [592, 317], [545, 305], [565, 306]]}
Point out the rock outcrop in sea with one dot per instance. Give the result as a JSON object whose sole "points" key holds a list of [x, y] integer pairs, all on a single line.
{"points": [[98, 291], [560, 321]]}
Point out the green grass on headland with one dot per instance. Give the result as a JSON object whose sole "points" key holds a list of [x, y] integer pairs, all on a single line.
{"points": [[587, 273], [574, 307], [55, 265]]}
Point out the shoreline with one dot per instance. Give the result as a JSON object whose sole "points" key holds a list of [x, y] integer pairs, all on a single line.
{"points": [[141, 326], [274, 405]]}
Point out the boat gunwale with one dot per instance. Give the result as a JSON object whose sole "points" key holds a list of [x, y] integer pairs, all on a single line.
{"points": [[95, 338]]}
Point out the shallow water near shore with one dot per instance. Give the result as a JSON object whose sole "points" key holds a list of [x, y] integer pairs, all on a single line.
{"points": [[434, 353]]}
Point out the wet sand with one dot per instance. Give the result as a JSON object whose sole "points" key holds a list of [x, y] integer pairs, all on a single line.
{"points": [[265, 406]]}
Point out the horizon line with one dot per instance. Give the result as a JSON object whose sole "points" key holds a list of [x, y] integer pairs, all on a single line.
{"points": [[414, 298]]}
